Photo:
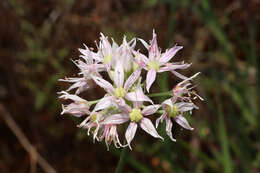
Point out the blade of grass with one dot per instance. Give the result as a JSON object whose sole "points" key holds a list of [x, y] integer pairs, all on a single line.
{"points": [[206, 13], [122, 160], [224, 141]]}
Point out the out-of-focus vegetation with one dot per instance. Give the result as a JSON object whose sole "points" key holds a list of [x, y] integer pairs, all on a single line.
{"points": [[220, 38]]}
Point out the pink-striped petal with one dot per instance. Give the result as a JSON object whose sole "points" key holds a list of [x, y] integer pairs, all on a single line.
{"points": [[169, 54], [106, 45], [132, 79], [169, 128], [148, 110], [170, 67], [144, 43], [183, 122], [153, 49], [183, 106], [188, 79], [119, 75], [147, 126], [73, 97], [150, 78], [179, 75], [116, 119], [125, 108], [104, 103], [160, 119], [84, 52], [132, 43], [104, 84], [140, 57], [130, 133], [138, 96], [167, 102]]}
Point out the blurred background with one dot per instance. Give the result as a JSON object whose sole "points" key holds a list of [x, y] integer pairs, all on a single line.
{"points": [[38, 39]]}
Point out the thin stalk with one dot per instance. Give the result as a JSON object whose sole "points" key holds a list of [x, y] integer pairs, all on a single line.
{"points": [[93, 102], [167, 93], [121, 161]]}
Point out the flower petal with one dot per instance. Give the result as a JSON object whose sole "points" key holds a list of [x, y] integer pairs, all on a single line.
{"points": [[179, 75], [73, 97], [104, 84], [170, 67], [106, 46], [168, 55], [104, 103], [125, 108], [116, 119], [188, 79], [119, 75], [148, 110], [144, 43], [160, 119], [132, 79], [150, 78], [132, 43], [140, 58], [147, 126], [169, 128], [138, 96], [153, 49], [167, 102], [183, 122], [130, 133], [183, 106]]}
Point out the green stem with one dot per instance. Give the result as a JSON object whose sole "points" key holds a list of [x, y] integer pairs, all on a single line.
{"points": [[167, 93], [93, 102], [121, 162]]}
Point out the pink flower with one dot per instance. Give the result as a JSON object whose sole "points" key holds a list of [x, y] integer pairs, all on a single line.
{"points": [[88, 68], [79, 106], [120, 90], [124, 98], [93, 121], [183, 93], [81, 83], [174, 111], [136, 116], [124, 55], [110, 134], [107, 51], [157, 61]]}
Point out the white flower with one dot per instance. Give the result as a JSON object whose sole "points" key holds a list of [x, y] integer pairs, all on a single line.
{"points": [[174, 111], [110, 134], [136, 115], [183, 93], [79, 106], [120, 90], [157, 62], [88, 68], [124, 98], [93, 121]]}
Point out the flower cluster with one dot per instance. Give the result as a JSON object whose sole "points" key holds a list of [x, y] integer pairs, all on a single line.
{"points": [[125, 101]]}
